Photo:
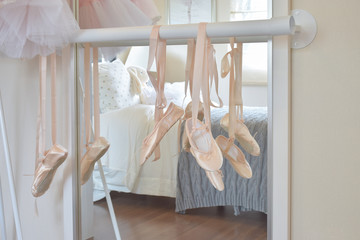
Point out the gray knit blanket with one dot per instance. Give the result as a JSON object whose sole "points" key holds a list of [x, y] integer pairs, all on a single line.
{"points": [[194, 189]]}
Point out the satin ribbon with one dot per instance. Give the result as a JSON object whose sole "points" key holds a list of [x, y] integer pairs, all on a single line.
{"points": [[211, 73], [201, 77], [41, 119], [235, 84], [157, 52], [53, 97], [96, 93], [87, 106], [189, 67], [205, 71]]}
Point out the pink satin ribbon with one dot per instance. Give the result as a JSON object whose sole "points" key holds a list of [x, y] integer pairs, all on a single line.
{"points": [[205, 70], [87, 106], [235, 84], [213, 73], [189, 67], [157, 52], [96, 93], [41, 119]]}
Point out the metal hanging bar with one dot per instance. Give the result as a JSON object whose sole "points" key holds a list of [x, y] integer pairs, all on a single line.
{"points": [[2, 216], [245, 31], [301, 25]]}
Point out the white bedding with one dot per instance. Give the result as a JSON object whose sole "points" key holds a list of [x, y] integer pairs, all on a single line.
{"points": [[125, 129]]}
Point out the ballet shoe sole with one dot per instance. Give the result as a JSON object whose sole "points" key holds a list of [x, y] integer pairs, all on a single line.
{"points": [[209, 157], [38, 189], [87, 165], [161, 128], [239, 163], [246, 140], [215, 179]]}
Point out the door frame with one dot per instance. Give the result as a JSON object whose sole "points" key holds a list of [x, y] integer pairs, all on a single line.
{"points": [[279, 137]]}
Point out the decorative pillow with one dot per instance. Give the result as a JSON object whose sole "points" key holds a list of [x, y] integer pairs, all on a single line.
{"points": [[139, 78], [174, 92], [115, 87]]}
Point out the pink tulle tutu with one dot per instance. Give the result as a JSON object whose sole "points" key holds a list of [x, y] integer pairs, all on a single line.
{"points": [[110, 13], [35, 27], [149, 8], [4, 2]]}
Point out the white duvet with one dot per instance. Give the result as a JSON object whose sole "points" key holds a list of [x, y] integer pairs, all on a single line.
{"points": [[125, 129]]}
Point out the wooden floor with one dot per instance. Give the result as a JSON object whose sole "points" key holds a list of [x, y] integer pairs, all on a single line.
{"points": [[145, 217]]}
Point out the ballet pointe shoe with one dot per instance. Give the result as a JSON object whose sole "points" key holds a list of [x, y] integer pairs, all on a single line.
{"points": [[46, 169], [203, 146], [93, 153], [243, 135], [171, 116], [188, 111], [235, 156], [215, 178]]}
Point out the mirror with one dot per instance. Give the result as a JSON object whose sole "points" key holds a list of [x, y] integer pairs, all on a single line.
{"points": [[145, 198]]}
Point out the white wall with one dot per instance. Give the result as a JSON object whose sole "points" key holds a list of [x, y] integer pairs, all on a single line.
{"points": [[326, 125], [19, 88]]}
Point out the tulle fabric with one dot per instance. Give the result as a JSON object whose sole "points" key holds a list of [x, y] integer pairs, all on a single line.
{"points": [[110, 13], [149, 8], [35, 27], [4, 2]]}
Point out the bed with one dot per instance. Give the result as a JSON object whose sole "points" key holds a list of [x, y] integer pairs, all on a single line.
{"points": [[125, 129]]}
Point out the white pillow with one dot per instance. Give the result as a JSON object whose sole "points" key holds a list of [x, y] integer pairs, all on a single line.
{"points": [[174, 92], [115, 87]]}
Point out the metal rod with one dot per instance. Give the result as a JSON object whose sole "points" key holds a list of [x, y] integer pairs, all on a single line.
{"points": [[109, 202], [9, 172], [249, 31], [2, 216]]}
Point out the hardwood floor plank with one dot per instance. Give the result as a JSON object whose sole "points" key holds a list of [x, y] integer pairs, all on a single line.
{"points": [[146, 217]]}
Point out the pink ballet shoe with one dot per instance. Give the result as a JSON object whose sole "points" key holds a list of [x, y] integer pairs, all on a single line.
{"points": [[171, 116], [243, 135], [235, 156], [188, 113], [215, 178], [203, 146], [46, 169], [93, 153]]}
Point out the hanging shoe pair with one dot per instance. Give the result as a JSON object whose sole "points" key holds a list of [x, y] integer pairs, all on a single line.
{"points": [[163, 122], [230, 122], [202, 144], [47, 161], [95, 150], [216, 176]]}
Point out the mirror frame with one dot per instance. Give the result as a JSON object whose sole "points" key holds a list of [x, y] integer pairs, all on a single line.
{"points": [[279, 134]]}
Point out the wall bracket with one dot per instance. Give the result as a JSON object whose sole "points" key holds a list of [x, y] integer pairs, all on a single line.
{"points": [[305, 30]]}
